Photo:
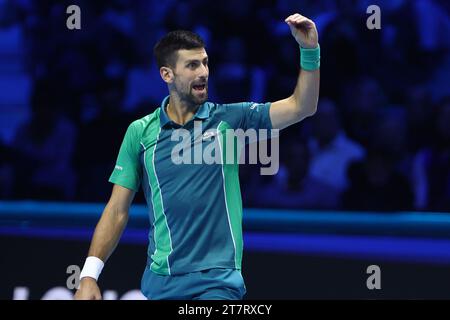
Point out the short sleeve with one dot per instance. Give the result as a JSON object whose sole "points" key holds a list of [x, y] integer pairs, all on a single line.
{"points": [[255, 116], [128, 170]]}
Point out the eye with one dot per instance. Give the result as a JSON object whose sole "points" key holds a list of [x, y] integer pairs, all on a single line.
{"points": [[192, 65]]}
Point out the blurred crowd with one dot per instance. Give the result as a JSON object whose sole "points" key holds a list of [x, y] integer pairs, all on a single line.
{"points": [[379, 141]]}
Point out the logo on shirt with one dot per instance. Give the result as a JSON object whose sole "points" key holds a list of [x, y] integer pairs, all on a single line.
{"points": [[254, 106], [118, 168]]}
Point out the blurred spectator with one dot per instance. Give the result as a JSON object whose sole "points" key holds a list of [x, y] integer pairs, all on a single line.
{"points": [[283, 75], [45, 146], [331, 152], [144, 84], [99, 141], [233, 76], [292, 188], [420, 118], [389, 133], [383, 181], [439, 165], [376, 186], [362, 101]]}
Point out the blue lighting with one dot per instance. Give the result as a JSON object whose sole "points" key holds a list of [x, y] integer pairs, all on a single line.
{"points": [[355, 235]]}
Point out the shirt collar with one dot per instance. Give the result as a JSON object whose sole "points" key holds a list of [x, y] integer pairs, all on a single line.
{"points": [[202, 112]]}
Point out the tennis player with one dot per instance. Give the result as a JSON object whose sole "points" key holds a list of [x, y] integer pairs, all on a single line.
{"points": [[195, 237]]}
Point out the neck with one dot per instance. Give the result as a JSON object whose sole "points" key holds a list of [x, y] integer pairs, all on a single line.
{"points": [[180, 111]]}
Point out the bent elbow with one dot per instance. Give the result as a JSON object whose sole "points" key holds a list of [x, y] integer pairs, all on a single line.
{"points": [[310, 111], [313, 110]]}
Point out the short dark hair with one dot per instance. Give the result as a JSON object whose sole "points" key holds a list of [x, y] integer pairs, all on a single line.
{"points": [[165, 50]]}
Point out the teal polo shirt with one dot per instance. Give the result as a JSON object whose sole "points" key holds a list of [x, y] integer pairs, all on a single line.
{"points": [[195, 210]]}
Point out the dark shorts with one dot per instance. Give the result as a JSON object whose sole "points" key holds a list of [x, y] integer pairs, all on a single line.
{"points": [[211, 284]]}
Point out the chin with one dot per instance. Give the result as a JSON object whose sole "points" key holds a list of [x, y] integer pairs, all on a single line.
{"points": [[203, 100], [200, 99]]}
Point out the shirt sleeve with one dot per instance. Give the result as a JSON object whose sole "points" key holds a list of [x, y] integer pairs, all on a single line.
{"points": [[128, 170], [255, 116]]}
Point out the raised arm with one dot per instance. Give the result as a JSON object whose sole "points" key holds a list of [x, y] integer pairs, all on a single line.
{"points": [[106, 237], [303, 102]]}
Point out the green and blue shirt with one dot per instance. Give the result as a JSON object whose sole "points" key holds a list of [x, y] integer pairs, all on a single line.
{"points": [[195, 209]]}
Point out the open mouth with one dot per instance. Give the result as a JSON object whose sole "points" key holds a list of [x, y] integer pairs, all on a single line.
{"points": [[199, 87]]}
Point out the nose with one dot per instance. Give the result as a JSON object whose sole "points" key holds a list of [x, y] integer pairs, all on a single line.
{"points": [[204, 72]]}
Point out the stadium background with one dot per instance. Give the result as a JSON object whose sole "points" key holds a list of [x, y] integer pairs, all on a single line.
{"points": [[366, 181]]}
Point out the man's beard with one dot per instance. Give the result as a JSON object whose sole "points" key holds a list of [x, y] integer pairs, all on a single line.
{"points": [[191, 98]]}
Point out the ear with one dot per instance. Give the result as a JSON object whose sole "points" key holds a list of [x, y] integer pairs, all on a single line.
{"points": [[166, 74]]}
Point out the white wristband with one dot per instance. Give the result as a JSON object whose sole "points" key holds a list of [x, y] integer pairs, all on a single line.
{"points": [[92, 268]]}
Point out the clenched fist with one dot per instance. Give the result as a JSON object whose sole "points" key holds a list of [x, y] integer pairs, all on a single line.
{"points": [[304, 31]]}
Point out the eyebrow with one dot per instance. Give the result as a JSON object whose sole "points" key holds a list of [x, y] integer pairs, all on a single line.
{"points": [[195, 60]]}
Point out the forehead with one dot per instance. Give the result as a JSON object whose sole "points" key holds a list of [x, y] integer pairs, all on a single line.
{"points": [[193, 54]]}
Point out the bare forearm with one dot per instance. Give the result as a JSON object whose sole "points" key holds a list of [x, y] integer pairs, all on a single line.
{"points": [[306, 93], [303, 102], [108, 232]]}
